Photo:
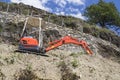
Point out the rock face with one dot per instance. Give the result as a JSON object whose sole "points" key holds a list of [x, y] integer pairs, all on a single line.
{"points": [[112, 38], [103, 34]]}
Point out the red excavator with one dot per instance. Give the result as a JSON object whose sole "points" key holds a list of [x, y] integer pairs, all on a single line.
{"points": [[30, 44]]}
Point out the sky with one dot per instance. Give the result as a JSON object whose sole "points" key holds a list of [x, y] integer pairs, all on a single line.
{"points": [[63, 7]]}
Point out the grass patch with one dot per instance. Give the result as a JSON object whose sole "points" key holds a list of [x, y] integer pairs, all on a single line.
{"points": [[29, 67], [27, 74], [2, 76], [1, 27], [74, 63], [95, 30], [77, 54], [13, 58], [66, 73], [10, 60]]}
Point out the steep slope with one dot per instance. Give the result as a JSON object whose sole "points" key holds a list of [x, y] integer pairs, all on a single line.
{"points": [[60, 65], [68, 62]]}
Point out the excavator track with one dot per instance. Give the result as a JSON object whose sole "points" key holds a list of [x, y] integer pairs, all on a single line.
{"points": [[30, 52]]}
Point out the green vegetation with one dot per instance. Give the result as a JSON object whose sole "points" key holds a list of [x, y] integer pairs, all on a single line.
{"points": [[13, 59], [2, 76], [103, 14], [67, 73], [76, 54], [9, 60], [91, 69], [26, 75], [96, 31], [19, 56], [102, 33], [1, 27], [74, 63], [108, 52], [29, 67]]}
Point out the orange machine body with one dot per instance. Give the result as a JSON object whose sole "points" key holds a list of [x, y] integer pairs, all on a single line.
{"points": [[31, 44], [29, 41]]}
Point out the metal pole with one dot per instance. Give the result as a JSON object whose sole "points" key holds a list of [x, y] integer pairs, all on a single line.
{"points": [[24, 27], [62, 22], [48, 18], [7, 7], [40, 34]]}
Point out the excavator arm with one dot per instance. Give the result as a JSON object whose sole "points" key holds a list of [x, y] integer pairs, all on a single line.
{"points": [[69, 40]]}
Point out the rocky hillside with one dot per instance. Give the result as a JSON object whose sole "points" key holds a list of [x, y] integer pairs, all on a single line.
{"points": [[67, 62]]}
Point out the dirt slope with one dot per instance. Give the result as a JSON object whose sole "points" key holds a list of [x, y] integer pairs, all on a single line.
{"points": [[68, 62], [60, 65]]}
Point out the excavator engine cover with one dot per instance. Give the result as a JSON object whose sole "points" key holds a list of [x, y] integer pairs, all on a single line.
{"points": [[29, 44]]}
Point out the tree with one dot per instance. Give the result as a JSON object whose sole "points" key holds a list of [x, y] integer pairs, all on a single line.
{"points": [[103, 14]]}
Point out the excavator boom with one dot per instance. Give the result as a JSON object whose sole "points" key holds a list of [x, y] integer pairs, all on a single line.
{"points": [[68, 40]]}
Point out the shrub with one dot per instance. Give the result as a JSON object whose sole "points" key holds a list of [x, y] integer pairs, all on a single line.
{"points": [[74, 63], [10, 60], [1, 27], [76, 54], [67, 73], [2, 76], [25, 75]]}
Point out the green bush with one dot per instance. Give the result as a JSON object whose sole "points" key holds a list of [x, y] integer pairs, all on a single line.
{"points": [[25, 75], [67, 73], [2, 76], [95, 30], [1, 27], [10, 60], [74, 63]]}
